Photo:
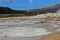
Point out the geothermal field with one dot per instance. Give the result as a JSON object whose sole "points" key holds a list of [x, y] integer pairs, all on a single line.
{"points": [[29, 28]]}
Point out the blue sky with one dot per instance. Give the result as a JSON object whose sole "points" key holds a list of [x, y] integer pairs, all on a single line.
{"points": [[28, 4]]}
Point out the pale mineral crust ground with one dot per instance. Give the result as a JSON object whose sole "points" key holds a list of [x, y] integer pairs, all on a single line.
{"points": [[40, 27]]}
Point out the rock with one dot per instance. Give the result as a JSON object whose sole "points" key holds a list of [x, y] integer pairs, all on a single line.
{"points": [[58, 18], [44, 21]]}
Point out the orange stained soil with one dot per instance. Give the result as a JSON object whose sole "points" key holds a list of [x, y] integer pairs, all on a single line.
{"points": [[55, 36], [23, 17]]}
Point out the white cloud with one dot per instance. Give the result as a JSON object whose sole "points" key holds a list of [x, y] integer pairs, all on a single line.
{"points": [[14, 2], [7, 1], [30, 1], [4, 1]]}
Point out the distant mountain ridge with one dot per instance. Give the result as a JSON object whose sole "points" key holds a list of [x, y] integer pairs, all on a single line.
{"points": [[50, 9]]}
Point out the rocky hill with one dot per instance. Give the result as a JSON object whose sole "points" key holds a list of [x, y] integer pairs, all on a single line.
{"points": [[50, 9]]}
